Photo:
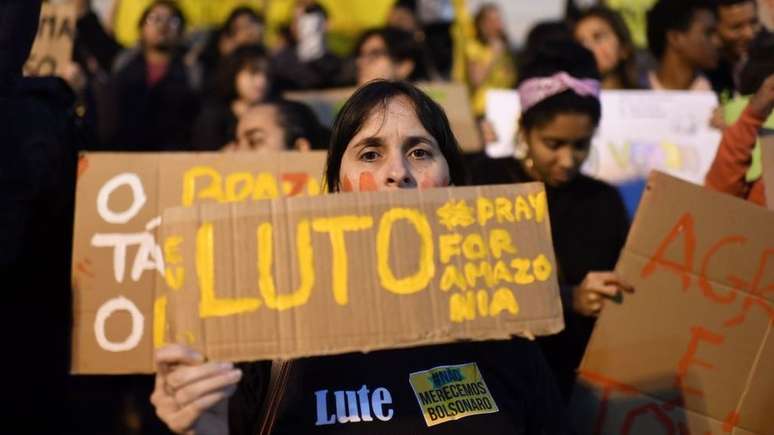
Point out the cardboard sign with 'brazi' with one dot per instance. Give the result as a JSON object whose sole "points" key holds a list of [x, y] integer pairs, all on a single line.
{"points": [[117, 254], [691, 350], [452, 97], [53, 46], [357, 272]]}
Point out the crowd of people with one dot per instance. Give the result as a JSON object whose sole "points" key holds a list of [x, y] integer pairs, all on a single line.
{"points": [[226, 90]]}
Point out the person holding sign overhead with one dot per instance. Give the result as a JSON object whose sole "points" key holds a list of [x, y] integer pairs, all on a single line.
{"points": [[559, 93], [388, 136]]}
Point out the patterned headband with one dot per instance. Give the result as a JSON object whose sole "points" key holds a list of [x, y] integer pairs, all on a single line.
{"points": [[535, 90]]}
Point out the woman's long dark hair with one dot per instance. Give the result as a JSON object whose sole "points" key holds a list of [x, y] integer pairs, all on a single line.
{"points": [[375, 96], [626, 70]]}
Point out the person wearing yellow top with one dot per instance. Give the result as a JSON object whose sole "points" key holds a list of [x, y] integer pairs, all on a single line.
{"points": [[489, 62]]}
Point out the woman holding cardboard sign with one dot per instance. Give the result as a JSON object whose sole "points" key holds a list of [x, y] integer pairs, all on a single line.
{"points": [[559, 94], [389, 135]]}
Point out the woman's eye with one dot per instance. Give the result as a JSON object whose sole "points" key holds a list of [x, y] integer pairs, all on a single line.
{"points": [[369, 156], [420, 153]]}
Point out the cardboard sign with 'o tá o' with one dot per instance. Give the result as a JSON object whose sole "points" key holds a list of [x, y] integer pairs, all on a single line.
{"points": [[117, 254], [691, 350], [452, 97], [299, 277], [53, 46]]}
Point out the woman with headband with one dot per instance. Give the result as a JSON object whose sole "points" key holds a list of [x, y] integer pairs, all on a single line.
{"points": [[559, 94]]}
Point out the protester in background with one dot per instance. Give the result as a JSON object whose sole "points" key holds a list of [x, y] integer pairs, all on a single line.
{"points": [[153, 102], [279, 125], [40, 145], [489, 61], [738, 24], [388, 53], [306, 62], [388, 136], [559, 92], [683, 39], [244, 26], [604, 32], [242, 81], [731, 170], [402, 17]]}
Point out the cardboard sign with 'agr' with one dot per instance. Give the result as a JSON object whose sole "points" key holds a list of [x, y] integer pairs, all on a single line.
{"points": [[691, 350], [117, 254], [350, 272], [53, 46]]}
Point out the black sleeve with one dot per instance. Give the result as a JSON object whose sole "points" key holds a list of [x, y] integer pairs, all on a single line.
{"points": [[245, 404]]}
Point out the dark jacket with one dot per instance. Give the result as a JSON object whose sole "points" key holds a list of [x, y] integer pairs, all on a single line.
{"points": [[589, 226], [291, 73], [494, 387], [37, 176], [214, 127], [149, 118]]}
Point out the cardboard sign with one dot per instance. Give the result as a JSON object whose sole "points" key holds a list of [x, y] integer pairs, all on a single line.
{"points": [[53, 46], [452, 97], [639, 131], [116, 254], [691, 350], [767, 154], [357, 272]]}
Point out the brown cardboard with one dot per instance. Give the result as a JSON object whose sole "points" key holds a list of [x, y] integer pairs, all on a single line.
{"points": [[280, 297], [163, 180], [767, 153], [691, 350], [53, 46], [453, 97]]}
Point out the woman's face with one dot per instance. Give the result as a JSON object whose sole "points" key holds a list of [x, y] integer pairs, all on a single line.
{"points": [[491, 23], [393, 151], [252, 84], [558, 149], [598, 36], [258, 130], [374, 62]]}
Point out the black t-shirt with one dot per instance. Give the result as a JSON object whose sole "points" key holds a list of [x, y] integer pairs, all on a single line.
{"points": [[499, 387], [589, 225]]}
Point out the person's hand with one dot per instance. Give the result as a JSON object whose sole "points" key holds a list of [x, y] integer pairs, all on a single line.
{"points": [[718, 119], [190, 396], [762, 102], [589, 297], [75, 77]]}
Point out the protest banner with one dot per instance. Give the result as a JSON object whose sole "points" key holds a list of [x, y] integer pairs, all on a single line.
{"points": [[351, 272], [116, 254], [452, 97], [691, 350], [767, 152], [53, 46], [639, 131]]}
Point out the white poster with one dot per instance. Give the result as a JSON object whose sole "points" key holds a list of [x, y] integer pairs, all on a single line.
{"points": [[640, 131], [520, 16]]}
